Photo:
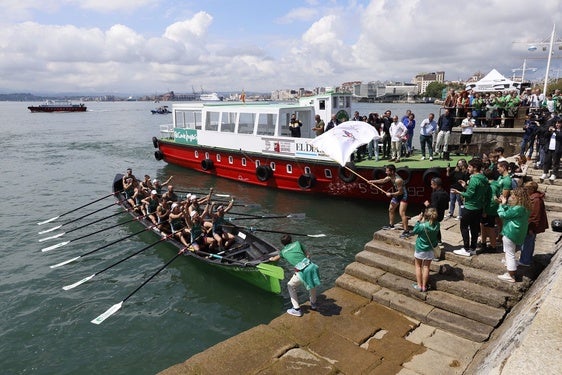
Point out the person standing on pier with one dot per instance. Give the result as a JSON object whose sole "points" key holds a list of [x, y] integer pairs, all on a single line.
{"points": [[306, 272], [427, 228], [427, 128], [444, 125], [538, 223]]}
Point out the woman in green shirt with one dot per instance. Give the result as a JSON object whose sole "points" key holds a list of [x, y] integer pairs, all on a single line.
{"points": [[514, 213]]}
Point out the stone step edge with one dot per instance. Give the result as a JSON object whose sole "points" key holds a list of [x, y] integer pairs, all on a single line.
{"points": [[470, 309], [468, 290]]}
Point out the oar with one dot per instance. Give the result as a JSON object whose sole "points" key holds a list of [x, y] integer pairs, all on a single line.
{"points": [[267, 269], [72, 286], [252, 229], [113, 309], [81, 217], [76, 209], [99, 248], [250, 217], [84, 236], [202, 193]]}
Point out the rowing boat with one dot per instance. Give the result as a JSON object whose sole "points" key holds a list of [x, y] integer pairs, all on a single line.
{"points": [[245, 259]]}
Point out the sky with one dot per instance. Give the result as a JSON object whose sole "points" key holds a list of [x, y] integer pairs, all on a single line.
{"points": [[154, 46]]}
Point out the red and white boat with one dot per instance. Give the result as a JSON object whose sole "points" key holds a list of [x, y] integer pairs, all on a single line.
{"points": [[251, 143]]}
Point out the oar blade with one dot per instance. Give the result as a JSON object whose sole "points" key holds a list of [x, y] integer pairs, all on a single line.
{"points": [[223, 195], [300, 215], [72, 286], [50, 230], [56, 246], [112, 310], [316, 235], [52, 237], [271, 270], [65, 262], [48, 220]]}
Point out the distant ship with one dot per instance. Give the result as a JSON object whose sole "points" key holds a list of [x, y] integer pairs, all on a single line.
{"points": [[212, 97], [58, 106]]}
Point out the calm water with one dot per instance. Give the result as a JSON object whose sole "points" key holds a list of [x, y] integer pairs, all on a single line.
{"points": [[53, 163]]}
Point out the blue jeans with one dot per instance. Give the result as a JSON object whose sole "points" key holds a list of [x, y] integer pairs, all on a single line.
{"points": [[527, 249], [426, 140], [452, 199]]}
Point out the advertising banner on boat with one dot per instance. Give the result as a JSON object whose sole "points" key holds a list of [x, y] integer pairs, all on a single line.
{"points": [[185, 136]]}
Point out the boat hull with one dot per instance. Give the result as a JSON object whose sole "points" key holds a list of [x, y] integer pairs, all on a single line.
{"points": [[242, 265], [303, 176]]}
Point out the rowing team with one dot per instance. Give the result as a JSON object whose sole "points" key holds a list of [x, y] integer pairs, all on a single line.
{"points": [[196, 222]]}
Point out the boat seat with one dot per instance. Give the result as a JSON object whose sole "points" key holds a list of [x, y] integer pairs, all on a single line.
{"points": [[167, 131]]}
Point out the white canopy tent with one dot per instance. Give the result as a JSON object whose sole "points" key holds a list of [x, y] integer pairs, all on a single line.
{"points": [[492, 82]]}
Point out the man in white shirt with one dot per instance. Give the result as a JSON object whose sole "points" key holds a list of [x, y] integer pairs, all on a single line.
{"points": [[427, 129], [467, 127]]}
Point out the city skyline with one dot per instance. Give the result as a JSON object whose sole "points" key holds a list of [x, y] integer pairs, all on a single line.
{"points": [[155, 46]]}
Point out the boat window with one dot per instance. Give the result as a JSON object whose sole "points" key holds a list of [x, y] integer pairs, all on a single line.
{"points": [[328, 173], [228, 122], [230, 160], [196, 154], [335, 102], [246, 123], [347, 101], [266, 123], [284, 125], [289, 168], [218, 157], [258, 163], [188, 119], [272, 166], [341, 103], [206, 155], [322, 104], [243, 162], [212, 121], [307, 170]]}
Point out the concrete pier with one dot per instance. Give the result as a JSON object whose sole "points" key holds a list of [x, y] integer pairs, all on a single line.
{"points": [[373, 322]]}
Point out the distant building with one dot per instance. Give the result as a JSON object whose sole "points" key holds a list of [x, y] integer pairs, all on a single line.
{"points": [[423, 80]]}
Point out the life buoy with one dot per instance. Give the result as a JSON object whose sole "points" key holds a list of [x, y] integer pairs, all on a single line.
{"points": [[264, 172], [306, 181], [379, 173], [404, 174], [345, 173], [155, 142], [206, 164], [429, 174], [158, 155]]}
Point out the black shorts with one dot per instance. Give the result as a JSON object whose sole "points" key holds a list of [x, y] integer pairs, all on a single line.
{"points": [[489, 221], [466, 138]]}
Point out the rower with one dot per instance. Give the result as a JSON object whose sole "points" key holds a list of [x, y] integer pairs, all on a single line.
{"points": [[150, 205], [129, 190], [158, 186], [162, 215], [129, 174], [198, 232], [224, 239], [177, 224], [170, 194], [146, 184]]}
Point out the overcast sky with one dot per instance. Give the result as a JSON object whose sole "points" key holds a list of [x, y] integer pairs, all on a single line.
{"points": [[149, 46]]}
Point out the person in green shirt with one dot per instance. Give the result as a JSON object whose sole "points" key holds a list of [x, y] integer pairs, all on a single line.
{"points": [[514, 212], [476, 195], [490, 215], [306, 272], [427, 228]]}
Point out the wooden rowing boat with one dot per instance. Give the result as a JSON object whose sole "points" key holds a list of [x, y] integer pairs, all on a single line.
{"points": [[245, 259]]}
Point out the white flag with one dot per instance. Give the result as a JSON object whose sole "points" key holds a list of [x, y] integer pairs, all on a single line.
{"points": [[339, 142]]}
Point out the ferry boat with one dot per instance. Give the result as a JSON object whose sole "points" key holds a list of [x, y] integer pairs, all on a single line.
{"points": [[251, 143], [58, 106]]}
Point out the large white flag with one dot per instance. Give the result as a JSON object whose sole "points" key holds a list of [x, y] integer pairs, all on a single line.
{"points": [[339, 142]]}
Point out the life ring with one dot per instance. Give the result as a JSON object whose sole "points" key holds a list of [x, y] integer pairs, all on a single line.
{"points": [[155, 142], [206, 164], [404, 174], [306, 181], [429, 174], [379, 173], [158, 155], [345, 173], [264, 172]]}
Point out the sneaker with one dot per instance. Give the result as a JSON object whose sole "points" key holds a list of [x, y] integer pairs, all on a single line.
{"points": [[417, 287], [544, 175], [294, 312], [388, 227], [448, 216], [422, 158], [405, 234], [431, 158], [523, 264], [552, 177], [506, 277], [458, 217], [313, 306], [463, 252]]}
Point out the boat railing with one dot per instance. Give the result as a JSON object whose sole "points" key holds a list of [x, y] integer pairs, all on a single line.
{"points": [[167, 131]]}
